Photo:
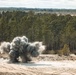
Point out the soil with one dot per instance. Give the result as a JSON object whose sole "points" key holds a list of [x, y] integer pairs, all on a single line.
{"points": [[42, 65]]}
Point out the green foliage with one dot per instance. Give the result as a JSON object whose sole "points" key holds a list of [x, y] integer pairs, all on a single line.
{"points": [[53, 30]]}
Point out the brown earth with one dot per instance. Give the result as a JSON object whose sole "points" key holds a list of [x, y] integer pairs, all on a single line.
{"points": [[42, 65]]}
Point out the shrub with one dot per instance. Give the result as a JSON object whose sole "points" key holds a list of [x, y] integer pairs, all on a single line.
{"points": [[65, 50]]}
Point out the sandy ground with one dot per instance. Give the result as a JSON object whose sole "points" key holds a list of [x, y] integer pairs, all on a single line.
{"points": [[42, 65]]}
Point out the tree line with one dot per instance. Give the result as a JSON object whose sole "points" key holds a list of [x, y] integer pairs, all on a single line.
{"points": [[53, 30]]}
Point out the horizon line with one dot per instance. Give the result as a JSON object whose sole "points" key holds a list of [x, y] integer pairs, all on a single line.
{"points": [[41, 8]]}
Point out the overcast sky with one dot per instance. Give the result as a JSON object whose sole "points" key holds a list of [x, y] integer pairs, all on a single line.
{"points": [[67, 4]]}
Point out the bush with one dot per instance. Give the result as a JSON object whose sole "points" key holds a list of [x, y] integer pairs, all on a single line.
{"points": [[65, 51]]}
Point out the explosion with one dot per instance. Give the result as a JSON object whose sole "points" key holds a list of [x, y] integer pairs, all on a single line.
{"points": [[20, 47]]}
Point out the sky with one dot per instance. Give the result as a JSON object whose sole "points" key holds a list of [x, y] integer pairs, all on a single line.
{"points": [[60, 4]]}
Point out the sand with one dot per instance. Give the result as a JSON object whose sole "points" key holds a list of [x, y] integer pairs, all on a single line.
{"points": [[42, 65]]}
